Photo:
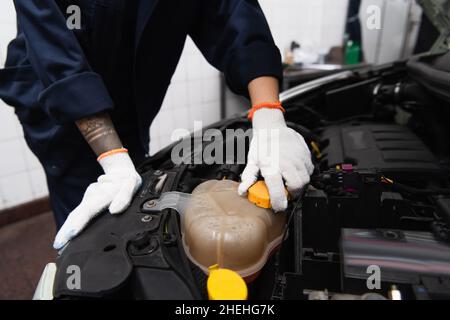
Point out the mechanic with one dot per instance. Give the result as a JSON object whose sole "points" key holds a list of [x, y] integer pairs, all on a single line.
{"points": [[104, 84]]}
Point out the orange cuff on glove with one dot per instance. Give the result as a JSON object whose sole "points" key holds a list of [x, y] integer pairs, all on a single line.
{"points": [[111, 152], [265, 105]]}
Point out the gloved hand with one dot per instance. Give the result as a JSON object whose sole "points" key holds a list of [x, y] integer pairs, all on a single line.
{"points": [[278, 152], [114, 191]]}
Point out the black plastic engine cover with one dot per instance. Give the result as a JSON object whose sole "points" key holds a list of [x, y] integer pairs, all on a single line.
{"points": [[134, 255], [392, 149]]}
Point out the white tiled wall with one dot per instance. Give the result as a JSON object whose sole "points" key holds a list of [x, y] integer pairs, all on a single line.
{"points": [[193, 94], [21, 176], [317, 23]]}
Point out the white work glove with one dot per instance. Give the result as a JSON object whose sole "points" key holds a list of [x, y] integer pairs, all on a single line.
{"points": [[278, 152], [114, 191]]}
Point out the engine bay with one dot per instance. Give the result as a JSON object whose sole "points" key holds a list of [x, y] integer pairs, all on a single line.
{"points": [[378, 201]]}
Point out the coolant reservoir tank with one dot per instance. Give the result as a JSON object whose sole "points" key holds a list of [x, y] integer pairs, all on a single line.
{"points": [[221, 228]]}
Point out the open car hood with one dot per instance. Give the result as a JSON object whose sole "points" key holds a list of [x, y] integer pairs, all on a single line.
{"points": [[438, 11]]}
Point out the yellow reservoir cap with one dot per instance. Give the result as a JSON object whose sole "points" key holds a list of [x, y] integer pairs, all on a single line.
{"points": [[259, 195], [224, 284]]}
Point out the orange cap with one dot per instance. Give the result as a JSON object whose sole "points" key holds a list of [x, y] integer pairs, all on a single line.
{"points": [[259, 195]]}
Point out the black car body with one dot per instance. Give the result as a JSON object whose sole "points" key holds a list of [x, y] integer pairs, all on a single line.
{"points": [[379, 196]]}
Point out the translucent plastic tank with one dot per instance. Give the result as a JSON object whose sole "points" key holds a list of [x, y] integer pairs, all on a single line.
{"points": [[220, 227]]}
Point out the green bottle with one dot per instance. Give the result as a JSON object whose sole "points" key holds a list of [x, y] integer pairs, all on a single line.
{"points": [[352, 52]]}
